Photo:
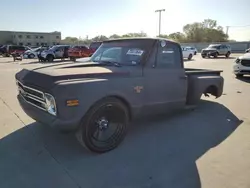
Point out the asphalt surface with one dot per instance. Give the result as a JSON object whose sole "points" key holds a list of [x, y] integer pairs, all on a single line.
{"points": [[208, 147]]}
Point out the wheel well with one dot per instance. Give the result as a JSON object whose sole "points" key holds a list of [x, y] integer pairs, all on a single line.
{"points": [[212, 89], [49, 55], [125, 102]]}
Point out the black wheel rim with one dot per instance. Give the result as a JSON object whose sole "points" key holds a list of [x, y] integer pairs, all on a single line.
{"points": [[107, 127]]}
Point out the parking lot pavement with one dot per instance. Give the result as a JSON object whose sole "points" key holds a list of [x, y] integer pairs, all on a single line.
{"points": [[207, 147]]}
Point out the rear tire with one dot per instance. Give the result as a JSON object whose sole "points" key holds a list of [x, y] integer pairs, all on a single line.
{"points": [[203, 56], [107, 115], [195, 53]]}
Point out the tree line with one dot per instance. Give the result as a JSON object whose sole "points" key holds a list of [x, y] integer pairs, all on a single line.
{"points": [[205, 31]]}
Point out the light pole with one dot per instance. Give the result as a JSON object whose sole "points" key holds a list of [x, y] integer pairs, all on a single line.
{"points": [[160, 10], [227, 30]]}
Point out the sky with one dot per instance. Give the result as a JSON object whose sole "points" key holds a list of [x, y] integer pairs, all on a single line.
{"points": [[81, 18]]}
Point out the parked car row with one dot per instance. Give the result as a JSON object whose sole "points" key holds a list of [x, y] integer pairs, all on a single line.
{"points": [[64, 51], [50, 53]]}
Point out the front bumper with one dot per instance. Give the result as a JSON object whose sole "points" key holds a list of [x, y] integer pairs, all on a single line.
{"points": [[46, 118], [208, 53], [240, 69]]}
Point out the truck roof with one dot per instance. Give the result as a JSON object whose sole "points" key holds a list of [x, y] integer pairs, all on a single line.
{"points": [[141, 38]]}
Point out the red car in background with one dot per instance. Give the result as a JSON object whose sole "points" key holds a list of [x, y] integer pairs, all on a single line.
{"points": [[80, 51]]}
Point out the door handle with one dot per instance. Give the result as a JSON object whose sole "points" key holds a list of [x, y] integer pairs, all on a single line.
{"points": [[183, 77]]}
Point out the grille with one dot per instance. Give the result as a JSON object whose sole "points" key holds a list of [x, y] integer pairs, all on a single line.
{"points": [[245, 62], [32, 96]]}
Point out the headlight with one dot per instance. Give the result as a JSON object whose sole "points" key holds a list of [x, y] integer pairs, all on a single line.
{"points": [[50, 104], [237, 61]]}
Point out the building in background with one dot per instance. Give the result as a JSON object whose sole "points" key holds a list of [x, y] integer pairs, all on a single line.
{"points": [[30, 38]]}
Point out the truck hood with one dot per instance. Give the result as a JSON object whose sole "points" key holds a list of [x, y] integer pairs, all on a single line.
{"points": [[46, 77]]}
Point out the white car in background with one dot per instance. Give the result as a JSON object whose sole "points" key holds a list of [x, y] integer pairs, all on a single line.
{"points": [[187, 53], [32, 53], [242, 65], [195, 51]]}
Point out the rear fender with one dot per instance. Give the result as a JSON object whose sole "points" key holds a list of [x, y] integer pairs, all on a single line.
{"points": [[198, 85]]}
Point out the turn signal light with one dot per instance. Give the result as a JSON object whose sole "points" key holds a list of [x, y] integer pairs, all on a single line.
{"points": [[74, 102]]}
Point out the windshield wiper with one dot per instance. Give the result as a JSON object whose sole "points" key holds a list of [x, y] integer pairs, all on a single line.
{"points": [[109, 63]]}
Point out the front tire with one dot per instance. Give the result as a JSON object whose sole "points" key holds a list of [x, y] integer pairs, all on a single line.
{"points": [[31, 56], [106, 116], [50, 58], [190, 56], [216, 55], [239, 75], [73, 59], [227, 54]]}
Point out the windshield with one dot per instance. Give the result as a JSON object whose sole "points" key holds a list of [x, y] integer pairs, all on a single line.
{"points": [[36, 49], [124, 53], [213, 46], [53, 47]]}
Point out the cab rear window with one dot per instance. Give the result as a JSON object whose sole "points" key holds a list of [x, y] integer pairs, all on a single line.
{"points": [[169, 55]]}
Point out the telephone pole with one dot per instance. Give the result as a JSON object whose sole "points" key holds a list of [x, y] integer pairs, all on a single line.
{"points": [[160, 10]]}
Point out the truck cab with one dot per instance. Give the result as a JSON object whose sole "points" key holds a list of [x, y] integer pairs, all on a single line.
{"points": [[124, 79]]}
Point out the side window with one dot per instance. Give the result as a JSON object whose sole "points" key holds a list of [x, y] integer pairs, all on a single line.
{"points": [[58, 49], [168, 55]]}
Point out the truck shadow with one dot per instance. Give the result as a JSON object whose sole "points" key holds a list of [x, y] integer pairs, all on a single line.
{"points": [[157, 152]]}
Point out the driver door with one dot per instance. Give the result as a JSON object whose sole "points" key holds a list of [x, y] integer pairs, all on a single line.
{"points": [[59, 52], [165, 80]]}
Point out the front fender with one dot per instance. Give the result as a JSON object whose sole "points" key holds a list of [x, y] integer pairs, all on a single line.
{"points": [[88, 92]]}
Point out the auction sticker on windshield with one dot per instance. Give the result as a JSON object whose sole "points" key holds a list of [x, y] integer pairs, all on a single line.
{"points": [[135, 52]]}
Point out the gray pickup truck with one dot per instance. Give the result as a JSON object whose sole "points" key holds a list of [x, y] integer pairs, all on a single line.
{"points": [[124, 79]]}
